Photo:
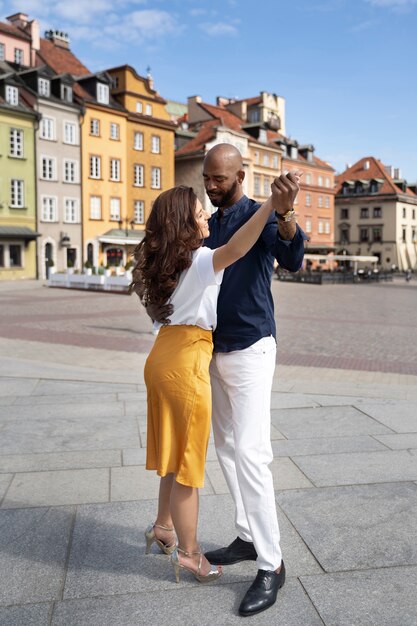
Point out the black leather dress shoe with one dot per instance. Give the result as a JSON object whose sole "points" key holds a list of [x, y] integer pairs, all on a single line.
{"points": [[263, 592], [238, 550]]}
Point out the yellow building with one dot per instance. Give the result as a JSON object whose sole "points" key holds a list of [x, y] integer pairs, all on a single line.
{"points": [[150, 136]]}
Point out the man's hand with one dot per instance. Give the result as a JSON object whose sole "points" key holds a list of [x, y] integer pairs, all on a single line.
{"points": [[284, 191], [160, 313]]}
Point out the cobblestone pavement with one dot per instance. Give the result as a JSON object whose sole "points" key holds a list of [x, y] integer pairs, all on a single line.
{"points": [[355, 327]]}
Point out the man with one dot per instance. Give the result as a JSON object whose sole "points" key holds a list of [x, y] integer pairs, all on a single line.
{"points": [[243, 365]]}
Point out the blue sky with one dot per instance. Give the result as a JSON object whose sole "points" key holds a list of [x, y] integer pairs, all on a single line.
{"points": [[347, 68]]}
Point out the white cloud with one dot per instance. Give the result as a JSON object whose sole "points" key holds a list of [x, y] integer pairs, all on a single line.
{"points": [[392, 4], [361, 26], [218, 29], [144, 25]]}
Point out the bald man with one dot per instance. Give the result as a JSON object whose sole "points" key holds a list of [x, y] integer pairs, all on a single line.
{"points": [[243, 366]]}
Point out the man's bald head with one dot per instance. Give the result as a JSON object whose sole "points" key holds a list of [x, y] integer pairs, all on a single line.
{"points": [[223, 175]]}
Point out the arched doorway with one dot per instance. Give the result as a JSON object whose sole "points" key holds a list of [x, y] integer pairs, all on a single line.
{"points": [[114, 257], [49, 259], [90, 254]]}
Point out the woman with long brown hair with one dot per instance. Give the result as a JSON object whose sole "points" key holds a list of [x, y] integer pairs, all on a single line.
{"points": [[172, 265]]}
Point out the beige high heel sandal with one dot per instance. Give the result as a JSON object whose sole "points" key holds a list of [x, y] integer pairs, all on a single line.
{"points": [[213, 574], [150, 537]]}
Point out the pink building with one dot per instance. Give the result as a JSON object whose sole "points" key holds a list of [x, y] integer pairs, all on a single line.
{"points": [[19, 40]]}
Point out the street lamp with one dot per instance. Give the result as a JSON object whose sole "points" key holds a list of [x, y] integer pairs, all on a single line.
{"points": [[127, 222]]}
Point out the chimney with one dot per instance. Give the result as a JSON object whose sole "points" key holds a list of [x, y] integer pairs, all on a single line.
{"points": [[20, 20], [58, 38], [223, 102], [195, 112], [397, 173]]}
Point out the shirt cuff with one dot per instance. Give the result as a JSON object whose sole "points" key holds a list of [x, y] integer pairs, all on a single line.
{"points": [[299, 237]]}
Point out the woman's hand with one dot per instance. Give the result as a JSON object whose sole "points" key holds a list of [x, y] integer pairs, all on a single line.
{"points": [[160, 313]]}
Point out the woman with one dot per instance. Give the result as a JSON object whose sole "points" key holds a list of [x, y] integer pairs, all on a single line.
{"points": [[173, 265]]}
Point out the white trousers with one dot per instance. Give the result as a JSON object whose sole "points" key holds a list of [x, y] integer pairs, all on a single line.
{"points": [[241, 388]]}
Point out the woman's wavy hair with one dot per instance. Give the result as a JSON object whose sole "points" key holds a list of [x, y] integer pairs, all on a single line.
{"points": [[171, 236]]}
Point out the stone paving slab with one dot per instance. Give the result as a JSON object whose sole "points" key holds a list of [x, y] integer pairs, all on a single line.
{"points": [[134, 456], [17, 386], [26, 615], [402, 420], [83, 459], [78, 399], [385, 597], [343, 421], [356, 527], [187, 606], [58, 488], [61, 387], [326, 445], [5, 480], [285, 473], [358, 468], [137, 483], [24, 436], [33, 546], [398, 442], [8, 400], [62, 411], [291, 400]]}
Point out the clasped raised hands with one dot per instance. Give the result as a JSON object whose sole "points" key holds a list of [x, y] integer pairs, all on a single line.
{"points": [[284, 191]]}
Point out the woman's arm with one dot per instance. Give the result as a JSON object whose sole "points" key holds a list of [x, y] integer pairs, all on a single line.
{"points": [[284, 191]]}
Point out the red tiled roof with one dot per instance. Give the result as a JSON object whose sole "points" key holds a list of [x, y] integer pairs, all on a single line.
{"points": [[375, 170], [206, 133], [227, 118], [60, 59], [14, 31]]}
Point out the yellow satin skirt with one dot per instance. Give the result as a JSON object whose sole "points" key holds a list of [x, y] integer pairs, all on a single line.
{"points": [[179, 403]]}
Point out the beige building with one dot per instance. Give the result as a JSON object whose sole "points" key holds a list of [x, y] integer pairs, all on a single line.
{"points": [[376, 214]]}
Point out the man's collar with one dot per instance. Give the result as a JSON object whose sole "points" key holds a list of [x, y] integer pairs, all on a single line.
{"points": [[223, 212]]}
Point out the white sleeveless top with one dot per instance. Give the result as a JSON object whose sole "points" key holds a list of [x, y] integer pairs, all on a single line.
{"points": [[195, 297]]}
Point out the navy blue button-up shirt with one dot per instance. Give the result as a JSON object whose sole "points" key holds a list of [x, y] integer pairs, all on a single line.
{"points": [[245, 308]]}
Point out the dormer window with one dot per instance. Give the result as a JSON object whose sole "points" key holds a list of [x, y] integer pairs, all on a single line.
{"points": [[12, 95], [66, 93], [102, 93], [294, 152], [44, 87], [373, 187], [18, 56]]}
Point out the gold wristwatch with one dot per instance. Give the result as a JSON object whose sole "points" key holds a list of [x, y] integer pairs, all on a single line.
{"points": [[286, 217]]}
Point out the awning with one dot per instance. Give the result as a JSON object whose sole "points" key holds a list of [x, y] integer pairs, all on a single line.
{"points": [[18, 232], [122, 237]]}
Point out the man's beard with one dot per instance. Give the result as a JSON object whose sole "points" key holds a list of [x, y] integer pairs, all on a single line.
{"points": [[226, 199]]}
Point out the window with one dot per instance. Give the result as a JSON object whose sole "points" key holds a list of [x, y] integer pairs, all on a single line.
{"points": [[48, 128], [70, 133], [257, 185], [70, 171], [16, 142], [308, 225], [320, 228], [327, 202], [1, 51], [138, 141], [413, 236], [138, 175], [156, 178], [17, 193], [363, 235], [320, 181], [71, 211], [156, 144], [114, 131], [308, 179], [139, 208], [48, 168], [148, 109], [377, 234], [377, 212], [256, 158], [95, 127], [15, 255], [404, 237], [413, 214], [102, 93], [327, 182], [115, 169], [267, 189], [266, 160], [404, 212], [139, 107], [275, 162], [364, 213], [66, 93], [373, 187], [95, 167], [115, 209], [12, 95], [95, 207], [44, 87], [308, 199], [254, 115], [320, 202], [344, 236], [344, 214], [18, 56], [327, 228], [49, 209]]}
